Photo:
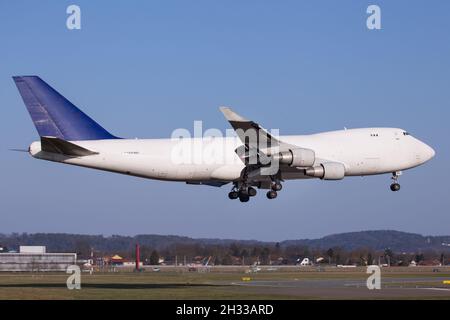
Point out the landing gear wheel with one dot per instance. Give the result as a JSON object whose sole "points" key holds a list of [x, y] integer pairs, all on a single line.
{"points": [[395, 175], [251, 191], [277, 186], [233, 195], [244, 197], [272, 194]]}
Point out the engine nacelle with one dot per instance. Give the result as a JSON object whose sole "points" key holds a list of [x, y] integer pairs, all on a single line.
{"points": [[327, 171], [296, 157]]}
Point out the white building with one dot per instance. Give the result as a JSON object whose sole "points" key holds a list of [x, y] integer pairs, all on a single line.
{"points": [[35, 258], [32, 249]]}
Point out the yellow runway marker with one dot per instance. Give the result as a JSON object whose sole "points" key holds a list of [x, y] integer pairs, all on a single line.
{"points": [[446, 282], [246, 278]]}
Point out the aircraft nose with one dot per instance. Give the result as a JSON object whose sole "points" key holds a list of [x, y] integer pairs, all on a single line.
{"points": [[428, 152]]}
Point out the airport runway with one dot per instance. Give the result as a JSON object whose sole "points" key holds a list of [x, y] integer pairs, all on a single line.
{"points": [[227, 283], [391, 287]]}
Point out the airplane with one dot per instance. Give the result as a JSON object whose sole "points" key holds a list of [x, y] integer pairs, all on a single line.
{"points": [[251, 159]]}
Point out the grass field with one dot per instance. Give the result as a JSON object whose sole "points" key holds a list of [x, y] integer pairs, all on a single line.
{"points": [[219, 283]]}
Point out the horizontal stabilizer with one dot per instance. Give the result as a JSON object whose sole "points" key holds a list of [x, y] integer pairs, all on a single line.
{"points": [[56, 145]]}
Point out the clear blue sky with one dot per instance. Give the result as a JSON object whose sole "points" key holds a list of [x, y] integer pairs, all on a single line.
{"points": [[143, 68]]}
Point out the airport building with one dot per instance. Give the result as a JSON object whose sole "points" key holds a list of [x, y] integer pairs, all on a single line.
{"points": [[35, 259]]}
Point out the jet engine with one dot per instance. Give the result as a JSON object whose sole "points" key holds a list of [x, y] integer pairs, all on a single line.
{"points": [[327, 171], [300, 157]]}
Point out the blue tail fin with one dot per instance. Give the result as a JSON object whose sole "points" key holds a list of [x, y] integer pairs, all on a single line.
{"points": [[55, 116]]}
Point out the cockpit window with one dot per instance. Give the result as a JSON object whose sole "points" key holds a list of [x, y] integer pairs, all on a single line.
{"points": [[406, 133]]}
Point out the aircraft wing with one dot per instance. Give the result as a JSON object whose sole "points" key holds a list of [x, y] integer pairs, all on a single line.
{"points": [[252, 135], [262, 153]]}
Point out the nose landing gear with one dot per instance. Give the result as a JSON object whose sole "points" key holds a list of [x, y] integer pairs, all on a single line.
{"points": [[395, 186]]}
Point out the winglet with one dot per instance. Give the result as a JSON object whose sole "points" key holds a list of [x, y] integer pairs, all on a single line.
{"points": [[230, 115]]}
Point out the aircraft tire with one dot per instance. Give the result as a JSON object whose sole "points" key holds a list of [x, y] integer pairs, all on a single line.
{"points": [[244, 197], [271, 194], [233, 195], [251, 192]]}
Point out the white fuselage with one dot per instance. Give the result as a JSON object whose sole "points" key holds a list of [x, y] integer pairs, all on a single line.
{"points": [[365, 151]]}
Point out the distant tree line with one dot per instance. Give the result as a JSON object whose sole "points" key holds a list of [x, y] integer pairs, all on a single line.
{"points": [[174, 249], [237, 254]]}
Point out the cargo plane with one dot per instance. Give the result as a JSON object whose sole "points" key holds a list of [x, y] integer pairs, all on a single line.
{"points": [[251, 159]]}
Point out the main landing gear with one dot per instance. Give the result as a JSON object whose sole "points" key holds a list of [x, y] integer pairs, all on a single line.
{"points": [[395, 186], [276, 186], [243, 193], [243, 190]]}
